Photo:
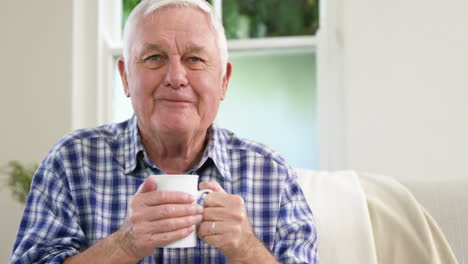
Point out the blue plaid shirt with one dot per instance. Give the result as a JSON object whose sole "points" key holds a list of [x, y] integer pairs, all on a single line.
{"points": [[80, 192]]}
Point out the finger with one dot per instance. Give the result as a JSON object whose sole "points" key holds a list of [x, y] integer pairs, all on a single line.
{"points": [[162, 239], [221, 236], [206, 228], [218, 199], [173, 224], [172, 211], [215, 199], [147, 186], [166, 197], [214, 240], [217, 214], [212, 185]]}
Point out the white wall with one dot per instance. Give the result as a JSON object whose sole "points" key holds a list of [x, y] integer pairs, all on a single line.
{"points": [[406, 87], [35, 83]]}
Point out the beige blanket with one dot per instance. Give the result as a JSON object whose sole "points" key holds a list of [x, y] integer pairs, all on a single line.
{"points": [[404, 232], [370, 219]]}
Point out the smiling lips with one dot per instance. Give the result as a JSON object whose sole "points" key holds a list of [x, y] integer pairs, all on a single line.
{"points": [[175, 101]]}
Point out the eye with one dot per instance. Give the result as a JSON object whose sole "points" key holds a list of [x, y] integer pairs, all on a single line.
{"points": [[154, 61], [195, 59], [153, 58]]}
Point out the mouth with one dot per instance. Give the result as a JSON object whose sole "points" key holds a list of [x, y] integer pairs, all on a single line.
{"points": [[175, 102]]}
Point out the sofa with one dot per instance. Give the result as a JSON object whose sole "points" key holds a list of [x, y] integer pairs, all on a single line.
{"points": [[368, 218]]}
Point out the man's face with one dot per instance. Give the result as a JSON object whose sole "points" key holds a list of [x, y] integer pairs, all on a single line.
{"points": [[174, 75]]}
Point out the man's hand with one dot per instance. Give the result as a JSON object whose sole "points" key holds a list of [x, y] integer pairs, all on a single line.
{"points": [[226, 226], [157, 218]]}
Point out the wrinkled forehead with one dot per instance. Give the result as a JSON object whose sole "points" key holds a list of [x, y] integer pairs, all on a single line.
{"points": [[180, 18], [176, 17]]}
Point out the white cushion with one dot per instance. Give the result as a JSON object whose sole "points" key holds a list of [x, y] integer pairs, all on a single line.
{"points": [[342, 219]]}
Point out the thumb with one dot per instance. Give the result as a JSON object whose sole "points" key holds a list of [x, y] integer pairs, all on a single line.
{"points": [[147, 186]]}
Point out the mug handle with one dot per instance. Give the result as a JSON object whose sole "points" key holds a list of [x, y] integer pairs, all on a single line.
{"points": [[199, 195]]}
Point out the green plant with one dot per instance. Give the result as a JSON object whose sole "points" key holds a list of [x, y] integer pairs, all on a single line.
{"points": [[262, 18], [19, 179], [127, 6]]}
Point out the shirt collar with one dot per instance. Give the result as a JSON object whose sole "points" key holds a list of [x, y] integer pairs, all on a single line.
{"points": [[216, 149], [132, 145]]}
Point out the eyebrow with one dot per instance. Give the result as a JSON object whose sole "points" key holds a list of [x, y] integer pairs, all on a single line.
{"points": [[195, 49], [152, 46], [158, 47]]}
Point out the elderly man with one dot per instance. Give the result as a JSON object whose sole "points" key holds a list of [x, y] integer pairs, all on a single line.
{"points": [[92, 200]]}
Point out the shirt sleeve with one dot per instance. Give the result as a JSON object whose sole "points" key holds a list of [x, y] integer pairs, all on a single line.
{"points": [[49, 232], [296, 236]]}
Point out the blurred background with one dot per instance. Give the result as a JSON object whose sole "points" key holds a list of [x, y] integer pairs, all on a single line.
{"points": [[377, 86]]}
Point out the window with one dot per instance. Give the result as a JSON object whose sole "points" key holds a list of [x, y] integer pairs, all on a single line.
{"points": [[260, 18], [272, 98], [269, 18], [272, 93]]}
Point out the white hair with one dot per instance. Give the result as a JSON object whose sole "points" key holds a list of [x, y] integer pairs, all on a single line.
{"points": [[146, 7]]}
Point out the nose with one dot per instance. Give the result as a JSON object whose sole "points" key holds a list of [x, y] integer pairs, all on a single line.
{"points": [[176, 75]]}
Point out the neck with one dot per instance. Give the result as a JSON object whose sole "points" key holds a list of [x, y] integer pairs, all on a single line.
{"points": [[175, 154]]}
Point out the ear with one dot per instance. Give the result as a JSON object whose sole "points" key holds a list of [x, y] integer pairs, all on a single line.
{"points": [[226, 78], [123, 75]]}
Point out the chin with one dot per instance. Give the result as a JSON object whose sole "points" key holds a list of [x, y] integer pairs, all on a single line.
{"points": [[176, 126]]}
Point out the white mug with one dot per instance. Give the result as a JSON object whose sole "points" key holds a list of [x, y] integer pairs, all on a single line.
{"points": [[187, 183]]}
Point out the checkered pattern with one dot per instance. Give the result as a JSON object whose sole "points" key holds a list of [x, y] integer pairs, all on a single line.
{"points": [[80, 192]]}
